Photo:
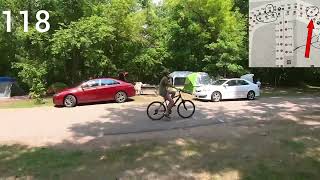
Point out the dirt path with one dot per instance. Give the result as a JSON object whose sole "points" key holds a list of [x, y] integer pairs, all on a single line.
{"points": [[107, 124]]}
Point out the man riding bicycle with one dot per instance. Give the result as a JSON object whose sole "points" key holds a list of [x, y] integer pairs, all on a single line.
{"points": [[157, 110], [165, 92]]}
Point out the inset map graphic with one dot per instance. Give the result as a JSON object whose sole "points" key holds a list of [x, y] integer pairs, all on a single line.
{"points": [[279, 31]]}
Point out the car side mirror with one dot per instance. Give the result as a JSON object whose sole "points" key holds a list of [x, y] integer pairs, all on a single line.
{"points": [[225, 85], [83, 87]]}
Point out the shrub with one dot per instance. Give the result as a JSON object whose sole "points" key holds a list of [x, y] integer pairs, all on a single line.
{"points": [[33, 75], [56, 87]]}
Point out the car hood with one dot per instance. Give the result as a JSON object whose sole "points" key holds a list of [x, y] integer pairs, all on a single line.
{"points": [[208, 87], [67, 90]]}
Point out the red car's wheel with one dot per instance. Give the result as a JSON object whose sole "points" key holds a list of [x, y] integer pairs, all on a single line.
{"points": [[121, 97], [70, 101]]}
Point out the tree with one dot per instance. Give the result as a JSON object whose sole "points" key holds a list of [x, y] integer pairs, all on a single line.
{"points": [[92, 38], [206, 36], [79, 48]]}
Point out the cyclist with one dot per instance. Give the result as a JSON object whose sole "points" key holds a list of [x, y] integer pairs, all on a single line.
{"points": [[165, 92]]}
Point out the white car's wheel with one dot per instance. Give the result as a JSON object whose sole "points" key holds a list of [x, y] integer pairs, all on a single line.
{"points": [[216, 96], [251, 95]]}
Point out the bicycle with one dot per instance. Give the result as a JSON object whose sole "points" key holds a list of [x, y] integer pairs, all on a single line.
{"points": [[156, 110]]}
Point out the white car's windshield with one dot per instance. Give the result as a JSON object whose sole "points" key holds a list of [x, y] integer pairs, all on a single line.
{"points": [[219, 82], [205, 80]]}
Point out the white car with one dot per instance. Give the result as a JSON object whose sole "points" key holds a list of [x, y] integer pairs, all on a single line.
{"points": [[228, 89]]}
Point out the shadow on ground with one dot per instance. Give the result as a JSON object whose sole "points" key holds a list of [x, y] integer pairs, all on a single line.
{"points": [[268, 139], [95, 103]]}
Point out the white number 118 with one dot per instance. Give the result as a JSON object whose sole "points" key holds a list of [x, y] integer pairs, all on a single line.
{"points": [[39, 28]]}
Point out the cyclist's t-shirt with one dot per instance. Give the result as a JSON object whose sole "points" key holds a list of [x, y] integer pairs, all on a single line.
{"points": [[163, 87]]}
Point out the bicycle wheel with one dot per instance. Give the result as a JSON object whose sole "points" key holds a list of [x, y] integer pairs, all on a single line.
{"points": [[156, 110], [186, 109]]}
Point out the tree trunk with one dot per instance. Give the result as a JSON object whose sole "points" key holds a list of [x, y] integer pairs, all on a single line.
{"points": [[75, 73]]}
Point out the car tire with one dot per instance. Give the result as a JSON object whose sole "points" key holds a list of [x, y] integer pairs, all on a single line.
{"points": [[120, 97], [251, 95], [70, 101], [216, 96]]}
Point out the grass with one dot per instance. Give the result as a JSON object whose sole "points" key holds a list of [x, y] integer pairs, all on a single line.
{"points": [[27, 103], [290, 91], [177, 159]]}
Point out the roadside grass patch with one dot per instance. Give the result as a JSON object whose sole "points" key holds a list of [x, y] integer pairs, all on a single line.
{"points": [[290, 91], [27, 103], [194, 158]]}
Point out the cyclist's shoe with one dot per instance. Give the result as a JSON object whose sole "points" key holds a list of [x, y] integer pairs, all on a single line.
{"points": [[167, 116], [170, 112]]}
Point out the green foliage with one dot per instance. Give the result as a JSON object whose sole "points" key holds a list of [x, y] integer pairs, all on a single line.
{"points": [[33, 75], [32, 61], [80, 48], [56, 87], [100, 38], [207, 35]]}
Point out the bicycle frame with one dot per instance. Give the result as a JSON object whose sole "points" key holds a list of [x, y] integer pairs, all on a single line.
{"points": [[179, 96], [163, 107]]}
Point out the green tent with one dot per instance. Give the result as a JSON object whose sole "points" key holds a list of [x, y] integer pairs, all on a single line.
{"points": [[178, 78], [196, 80]]}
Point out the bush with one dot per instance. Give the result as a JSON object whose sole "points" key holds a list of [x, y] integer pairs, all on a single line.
{"points": [[33, 75], [56, 87], [37, 92]]}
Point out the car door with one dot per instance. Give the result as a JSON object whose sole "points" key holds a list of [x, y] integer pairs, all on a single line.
{"points": [[230, 89], [108, 89], [242, 88], [90, 91]]}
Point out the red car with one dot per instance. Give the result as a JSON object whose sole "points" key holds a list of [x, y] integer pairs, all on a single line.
{"points": [[96, 90]]}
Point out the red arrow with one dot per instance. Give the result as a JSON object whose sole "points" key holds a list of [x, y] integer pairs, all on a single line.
{"points": [[310, 31]]}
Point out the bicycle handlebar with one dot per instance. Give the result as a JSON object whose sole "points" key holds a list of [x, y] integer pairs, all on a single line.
{"points": [[179, 90], [176, 88]]}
